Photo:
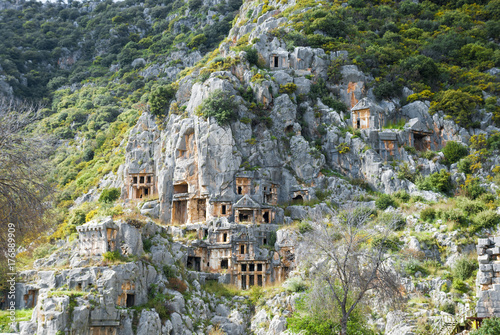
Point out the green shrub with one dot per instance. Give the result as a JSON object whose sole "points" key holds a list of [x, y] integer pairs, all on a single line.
{"points": [[463, 268], [437, 182], [493, 142], [384, 201], [252, 56], [486, 219], [288, 88], [454, 214], [473, 188], [459, 285], [459, 104], [401, 195], [112, 256], [391, 243], [488, 327], [304, 227], [428, 214], [448, 307], [147, 244], [413, 266], [169, 271], [295, 284], [454, 151], [160, 98], [109, 195], [428, 154], [219, 105], [464, 165], [396, 221], [77, 217], [43, 250], [470, 207]]}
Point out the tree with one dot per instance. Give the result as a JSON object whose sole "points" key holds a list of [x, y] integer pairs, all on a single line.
{"points": [[345, 266], [23, 188], [219, 105]]}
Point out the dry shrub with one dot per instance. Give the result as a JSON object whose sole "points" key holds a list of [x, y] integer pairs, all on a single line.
{"points": [[177, 284]]}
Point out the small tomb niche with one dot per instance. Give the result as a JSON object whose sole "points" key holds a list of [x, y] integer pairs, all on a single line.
{"points": [[224, 264], [194, 263], [271, 194], [259, 280], [141, 185], [278, 60], [179, 211], [298, 199], [181, 188], [251, 279], [251, 267], [221, 209], [130, 300], [243, 267], [259, 267], [30, 299], [243, 185], [242, 249], [422, 142], [224, 237], [199, 212], [361, 119], [289, 129]]}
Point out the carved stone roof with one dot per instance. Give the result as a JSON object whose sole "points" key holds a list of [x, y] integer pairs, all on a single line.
{"points": [[417, 126], [362, 104], [247, 202]]}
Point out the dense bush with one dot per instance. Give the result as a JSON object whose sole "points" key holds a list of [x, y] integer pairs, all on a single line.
{"points": [[77, 217], [384, 201], [463, 268], [488, 327], [485, 219], [413, 266], [109, 195], [428, 214], [464, 165], [437, 182], [159, 99], [459, 104], [219, 105], [454, 151], [470, 207]]}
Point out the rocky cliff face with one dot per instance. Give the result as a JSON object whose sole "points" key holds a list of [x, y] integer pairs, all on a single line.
{"points": [[299, 146], [286, 156]]}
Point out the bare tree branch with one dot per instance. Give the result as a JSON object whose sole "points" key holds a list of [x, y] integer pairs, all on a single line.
{"points": [[341, 256]]}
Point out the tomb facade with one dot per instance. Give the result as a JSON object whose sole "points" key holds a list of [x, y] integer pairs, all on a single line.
{"points": [[96, 238], [241, 251]]}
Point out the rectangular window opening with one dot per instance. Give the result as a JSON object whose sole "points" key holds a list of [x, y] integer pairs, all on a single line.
{"points": [[224, 264], [251, 267], [259, 267]]}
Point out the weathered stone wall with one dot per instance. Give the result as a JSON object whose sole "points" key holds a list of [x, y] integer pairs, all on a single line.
{"points": [[488, 277]]}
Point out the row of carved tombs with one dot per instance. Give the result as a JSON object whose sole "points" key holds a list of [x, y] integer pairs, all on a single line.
{"points": [[363, 116]]}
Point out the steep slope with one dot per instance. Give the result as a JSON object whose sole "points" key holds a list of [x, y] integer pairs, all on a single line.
{"points": [[303, 107]]}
